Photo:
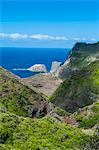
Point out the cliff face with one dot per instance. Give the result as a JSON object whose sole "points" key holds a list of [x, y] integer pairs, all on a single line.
{"points": [[84, 54], [55, 66], [81, 86], [81, 55]]}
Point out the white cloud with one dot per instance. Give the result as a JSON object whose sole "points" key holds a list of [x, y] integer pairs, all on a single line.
{"points": [[47, 37], [93, 39], [33, 36], [17, 36], [39, 36], [13, 35]]}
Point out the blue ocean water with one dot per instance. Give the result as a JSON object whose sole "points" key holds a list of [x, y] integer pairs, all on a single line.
{"points": [[11, 58]]}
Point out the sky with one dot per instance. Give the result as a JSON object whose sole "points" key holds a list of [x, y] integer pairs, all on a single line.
{"points": [[48, 23]]}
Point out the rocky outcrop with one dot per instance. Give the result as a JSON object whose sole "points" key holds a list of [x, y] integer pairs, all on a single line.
{"points": [[38, 68], [64, 69], [61, 70], [55, 66]]}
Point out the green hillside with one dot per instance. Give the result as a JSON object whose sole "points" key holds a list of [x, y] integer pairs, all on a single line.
{"points": [[17, 98], [19, 131], [82, 54], [79, 90], [68, 120]]}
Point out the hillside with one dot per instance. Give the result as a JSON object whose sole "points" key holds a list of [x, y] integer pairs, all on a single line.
{"points": [[82, 54], [42, 83], [18, 130], [79, 90], [39, 134], [19, 99], [81, 86], [68, 120]]}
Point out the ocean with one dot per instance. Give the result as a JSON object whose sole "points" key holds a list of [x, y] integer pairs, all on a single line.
{"points": [[22, 58]]}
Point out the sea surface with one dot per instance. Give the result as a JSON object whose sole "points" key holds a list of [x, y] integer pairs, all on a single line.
{"points": [[22, 58]]}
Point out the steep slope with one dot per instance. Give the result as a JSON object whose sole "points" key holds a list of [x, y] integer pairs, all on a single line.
{"points": [[79, 90], [81, 55], [19, 99]]}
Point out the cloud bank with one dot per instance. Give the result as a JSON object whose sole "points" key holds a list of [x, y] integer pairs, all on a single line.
{"points": [[33, 36], [16, 36]]}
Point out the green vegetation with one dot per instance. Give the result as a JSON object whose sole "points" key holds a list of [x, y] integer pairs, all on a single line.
{"points": [[18, 131], [46, 133], [88, 116], [29, 122], [16, 97], [79, 90], [84, 54]]}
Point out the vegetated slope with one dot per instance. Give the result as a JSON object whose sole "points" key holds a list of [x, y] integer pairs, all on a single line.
{"points": [[39, 134], [18, 103], [18, 131], [82, 54], [88, 117], [19, 99], [79, 90]]}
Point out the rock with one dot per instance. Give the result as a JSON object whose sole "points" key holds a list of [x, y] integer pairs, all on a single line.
{"points": [[55, 66], [63, 69], [70, 120], [38, 68], [40, 110]]}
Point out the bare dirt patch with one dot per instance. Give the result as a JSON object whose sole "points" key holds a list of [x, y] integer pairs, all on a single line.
{"points": [[43, 83]]}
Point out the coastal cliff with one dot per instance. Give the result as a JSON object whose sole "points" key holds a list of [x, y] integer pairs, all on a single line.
{"points": [[81, 78], [81, 55]]}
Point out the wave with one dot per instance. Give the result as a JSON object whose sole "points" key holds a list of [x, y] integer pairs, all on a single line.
{"points": [[19, 69]]}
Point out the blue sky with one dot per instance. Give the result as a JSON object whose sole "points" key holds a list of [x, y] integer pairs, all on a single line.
{"points": [[57, 23]]}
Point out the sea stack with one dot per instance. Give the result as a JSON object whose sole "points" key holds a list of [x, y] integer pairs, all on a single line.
{"points": [[38, 68]]}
